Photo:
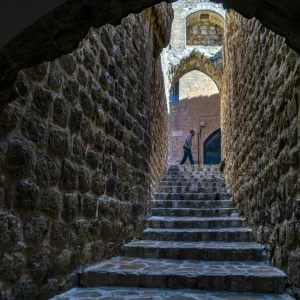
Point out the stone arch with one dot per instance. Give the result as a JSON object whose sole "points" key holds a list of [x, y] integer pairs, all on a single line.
{"points": [[198, 61], [50, 34], [205, 28]]}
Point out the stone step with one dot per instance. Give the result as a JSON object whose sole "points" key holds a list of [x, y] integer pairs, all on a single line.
{"points": [[240, 234], [191, 189], [192, 184], [191, 196], [211, 251], [187, 179], [202, 275], [195, 222], [192, 204], [122, 293], [194, 212], [194, 173]]}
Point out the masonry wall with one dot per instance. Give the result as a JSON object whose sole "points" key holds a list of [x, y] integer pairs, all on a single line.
{"points": [[261, 137], [75, 154]]}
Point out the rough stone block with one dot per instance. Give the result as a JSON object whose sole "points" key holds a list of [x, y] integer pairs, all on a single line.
{"points": [[68, 62], [79, 150], [20, 159], [42, 101], [10, 116], [61, 112], [34, 129], [47, 172], [51, 202], [84, 179], [35, 230], [92, 159], [79, 233], [69, 176], [39, 263], [26, 196], [71, 91], [11, 266], [10, 230], [60, 233], [62, 262], [86, 104], [70, 207], [59, 141], [55, 78], [75, 120], [89, 206], [98, 184]]}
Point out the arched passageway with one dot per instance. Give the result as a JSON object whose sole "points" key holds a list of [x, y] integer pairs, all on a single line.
{"points": [[198, 108], [49, 34]]}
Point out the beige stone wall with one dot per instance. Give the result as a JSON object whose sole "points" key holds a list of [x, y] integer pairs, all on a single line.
{"points": [[261, 131], [196, 84], [75, 152]]}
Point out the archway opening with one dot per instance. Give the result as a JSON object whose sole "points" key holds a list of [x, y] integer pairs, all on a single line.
{"points": [[212, 148], [194, 104]]}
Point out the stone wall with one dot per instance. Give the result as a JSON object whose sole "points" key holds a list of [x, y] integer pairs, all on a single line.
{"points": [[261, 131], [75, 150], [159, 126], [205, 33], [196, 84]]}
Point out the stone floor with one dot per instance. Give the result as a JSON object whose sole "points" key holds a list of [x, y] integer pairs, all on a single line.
{"points": [[116, 293]]}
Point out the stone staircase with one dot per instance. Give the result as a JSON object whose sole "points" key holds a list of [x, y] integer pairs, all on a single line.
{"points": [[195, 240]]}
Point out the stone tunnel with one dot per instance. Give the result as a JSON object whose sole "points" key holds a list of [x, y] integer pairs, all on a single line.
{"points": [[88, 130]]}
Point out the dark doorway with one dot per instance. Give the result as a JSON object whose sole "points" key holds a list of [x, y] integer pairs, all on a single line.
{"points": [[212, 148]]}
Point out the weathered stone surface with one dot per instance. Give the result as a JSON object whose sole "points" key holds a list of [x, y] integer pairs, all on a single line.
{"points": [[60, 112], [92, 159], [79, 150], [10, 230], [89, 205], [68, 62], [62, 262], [74, 155], [35, 129], [70, 207], [26, 195], [20, 159], [10, 115], [42, 101], [71, 91], [35, 230], [51, 202], [98, 184], [55, 76], [59, 141], [79, 232], [259, 135], [84, 179], [11, 266], [75, 120], [60, 233], [38, 264], [69, 175], [47, 172], [87, 131]]}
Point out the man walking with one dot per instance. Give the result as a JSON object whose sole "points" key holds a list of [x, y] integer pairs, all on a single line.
{"points": [[187, 148]]}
